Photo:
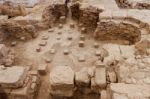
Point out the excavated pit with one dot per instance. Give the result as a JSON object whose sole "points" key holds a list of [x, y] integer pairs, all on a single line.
{"points": [[75, 50]]}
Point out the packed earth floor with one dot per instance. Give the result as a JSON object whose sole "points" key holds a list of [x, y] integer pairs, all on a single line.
{"points": [[75, 49]]}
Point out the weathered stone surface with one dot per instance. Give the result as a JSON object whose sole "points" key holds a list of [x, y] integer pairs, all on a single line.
{"points": [[128, 91], [133, 71], [82, 77], [12, 77], [62, 81]]}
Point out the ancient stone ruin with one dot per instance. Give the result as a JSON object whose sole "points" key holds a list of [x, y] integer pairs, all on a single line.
{"points": [[74, 49]]}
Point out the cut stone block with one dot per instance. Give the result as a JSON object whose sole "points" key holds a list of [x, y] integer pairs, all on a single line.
{"points": [[62, 81], [60, 26], [81, 58], [83, 30], [45, 37], [72, 25], [69, 37], [43, 43], [81, 43], [66, 51], [42, 69], [62, 19], [98, 53], [100, 77], [12, 77], [13, 43], [82, 37], [82, 78], [38, 49], [52, 51], [51, 30], [96, 45]]}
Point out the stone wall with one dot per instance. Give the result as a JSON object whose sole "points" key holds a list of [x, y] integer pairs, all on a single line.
{"points": [[86, 14], [12, 29], [134, 4], [110, 30], [54, 11]]}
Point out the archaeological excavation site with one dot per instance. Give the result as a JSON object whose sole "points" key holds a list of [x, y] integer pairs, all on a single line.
{"points": [[74, 49]]}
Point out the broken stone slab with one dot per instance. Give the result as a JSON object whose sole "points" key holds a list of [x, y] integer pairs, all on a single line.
{"points": [[82, 77], [42, 69], [62, 81], [12, 77]]}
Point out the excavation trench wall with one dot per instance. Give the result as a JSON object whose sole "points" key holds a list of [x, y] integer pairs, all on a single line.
{"points": [[110, 30], [134, 4]]}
